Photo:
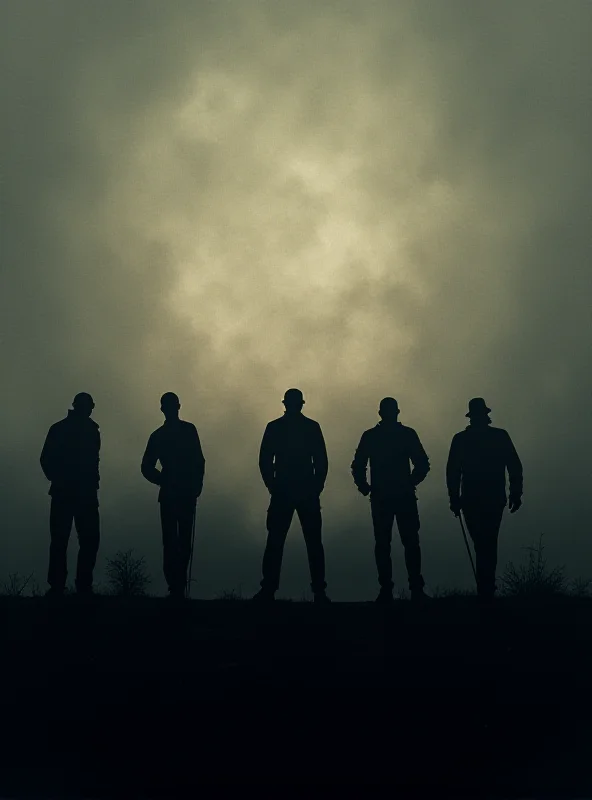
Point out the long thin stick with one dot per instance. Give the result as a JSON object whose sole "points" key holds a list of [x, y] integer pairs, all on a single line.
{"points": [[188, 587], [467, 545]]}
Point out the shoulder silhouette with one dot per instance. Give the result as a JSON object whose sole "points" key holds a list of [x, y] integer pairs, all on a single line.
{"points": [[70, 455], [177, 446], [293, 454]]}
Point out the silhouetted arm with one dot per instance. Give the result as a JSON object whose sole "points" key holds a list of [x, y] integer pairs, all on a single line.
{"points": [[514, 467], [359, 466], [454, 471], [199, 462], [320, 459], [48, 455], [266, 456], [98, 458], [419, 459], [149, 460]]}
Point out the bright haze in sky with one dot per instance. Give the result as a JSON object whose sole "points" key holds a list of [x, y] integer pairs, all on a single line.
{"points": [[358, 199]]}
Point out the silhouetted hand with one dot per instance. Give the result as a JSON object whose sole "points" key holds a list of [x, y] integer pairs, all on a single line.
{"points": [[365, 489], [515, 503], [455, 507]]}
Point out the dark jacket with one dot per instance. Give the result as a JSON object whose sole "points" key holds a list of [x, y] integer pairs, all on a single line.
{"points": [[477, 463], [176, 445], [70, 456], [293, 456], [389, 448]]}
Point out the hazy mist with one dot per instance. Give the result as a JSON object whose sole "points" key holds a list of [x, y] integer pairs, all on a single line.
{"points": [[360, 199]]}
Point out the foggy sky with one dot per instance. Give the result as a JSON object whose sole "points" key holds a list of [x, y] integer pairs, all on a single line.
{"points": [[359, 199]]}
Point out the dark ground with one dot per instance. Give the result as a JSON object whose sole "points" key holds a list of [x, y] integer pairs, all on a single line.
{"points": [[146, 699]]}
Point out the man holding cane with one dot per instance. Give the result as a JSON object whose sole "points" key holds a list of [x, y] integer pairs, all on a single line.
{"points": [[476, 479]]}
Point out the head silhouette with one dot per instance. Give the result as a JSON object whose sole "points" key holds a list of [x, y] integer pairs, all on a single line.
{"points": [[170, 405], [478, 412], [293, 401], [388, 409], [83, 404]]}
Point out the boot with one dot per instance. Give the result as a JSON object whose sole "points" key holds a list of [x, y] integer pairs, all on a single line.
{"points": [[419, 597], [385, 597], [263, 596]]}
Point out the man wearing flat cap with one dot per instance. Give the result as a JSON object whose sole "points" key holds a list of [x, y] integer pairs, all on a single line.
{"points": [[476, 480], [293, 464]]}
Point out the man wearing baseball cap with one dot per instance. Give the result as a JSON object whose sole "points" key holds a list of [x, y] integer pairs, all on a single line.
{"points": [[293, 464], [476, 480]]}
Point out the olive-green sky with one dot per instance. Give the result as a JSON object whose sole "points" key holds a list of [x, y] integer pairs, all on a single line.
{"points": [[226, 199]]}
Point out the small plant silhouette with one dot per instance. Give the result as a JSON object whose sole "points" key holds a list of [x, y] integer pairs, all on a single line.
{"points": [[232, 595], [127, 576], [580, 587], [16, 584], [533, 578]]}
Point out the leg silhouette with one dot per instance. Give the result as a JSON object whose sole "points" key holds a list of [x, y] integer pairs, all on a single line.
{"points": [[279, 518], [61, 516], [408, 525], [383, 516], [309, 514], [86, 519], [483, 524]]}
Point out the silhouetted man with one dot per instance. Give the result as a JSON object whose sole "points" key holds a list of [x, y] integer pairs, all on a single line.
{"points": [[293, 464], [70, 460], [476, 480], [389, 447], [176, 445]]}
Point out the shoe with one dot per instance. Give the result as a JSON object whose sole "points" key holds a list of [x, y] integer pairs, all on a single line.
{"points": [[486, 600], [263, 596], [419, 597], [321, 599], [54, 593], [385, 597]]}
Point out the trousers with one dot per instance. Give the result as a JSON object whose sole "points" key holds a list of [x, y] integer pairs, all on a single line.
{"points": [[279, 518], [84, 512], [403, 508], [483, 524], [176, 519]]}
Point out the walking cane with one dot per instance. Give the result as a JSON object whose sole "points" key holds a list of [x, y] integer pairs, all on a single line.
{"points": [[462, 527], [188, 587]]}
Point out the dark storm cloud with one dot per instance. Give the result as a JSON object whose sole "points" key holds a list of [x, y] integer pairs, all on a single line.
{"points": [[359, 198]]}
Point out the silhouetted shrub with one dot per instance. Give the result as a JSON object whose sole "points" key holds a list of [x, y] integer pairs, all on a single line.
{"points": [[230, 595], [16, 584], [533, 578], [127, 576], [580, 587], [444, 592]]}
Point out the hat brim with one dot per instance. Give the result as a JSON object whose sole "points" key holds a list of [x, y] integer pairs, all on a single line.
{"points": [[480, 411]]}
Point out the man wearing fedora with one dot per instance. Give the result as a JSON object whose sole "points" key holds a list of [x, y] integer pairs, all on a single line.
{"points": [[390, 447], [293, 464], [476, 480]]}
